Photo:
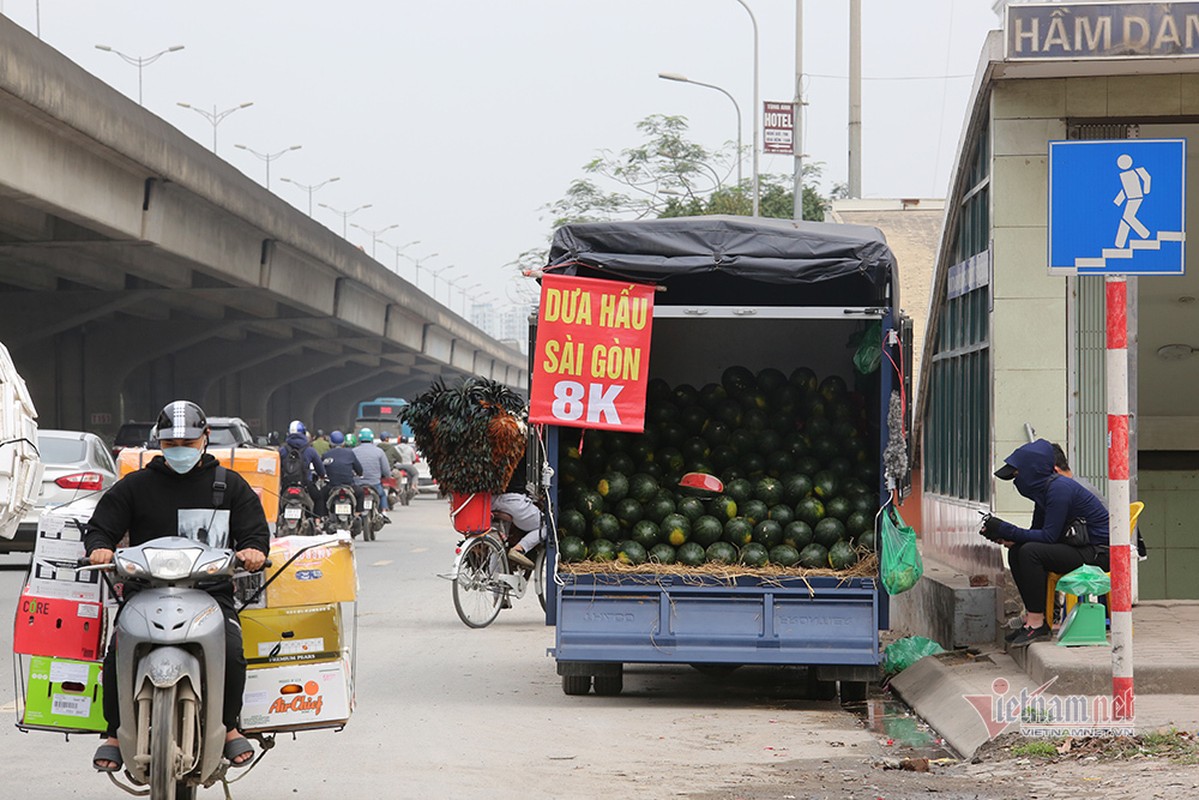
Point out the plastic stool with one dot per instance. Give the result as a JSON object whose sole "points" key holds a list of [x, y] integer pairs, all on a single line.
{"points": [[1086, 625]]}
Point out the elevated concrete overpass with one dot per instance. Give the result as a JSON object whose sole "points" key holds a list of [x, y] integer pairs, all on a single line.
{"points": [[137, 267]]}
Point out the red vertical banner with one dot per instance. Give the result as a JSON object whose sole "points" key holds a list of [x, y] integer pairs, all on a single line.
{"points": [[592, 360]]}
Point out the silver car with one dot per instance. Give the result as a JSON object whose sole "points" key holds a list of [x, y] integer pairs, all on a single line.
{"points": [[76, 466]]}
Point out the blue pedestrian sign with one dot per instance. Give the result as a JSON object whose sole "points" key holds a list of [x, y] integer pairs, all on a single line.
{"points": [[1117, 207]]}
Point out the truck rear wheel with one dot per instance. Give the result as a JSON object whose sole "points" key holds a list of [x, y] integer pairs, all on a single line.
{"points": [[610, 685], [576, 684], [853, 691]]}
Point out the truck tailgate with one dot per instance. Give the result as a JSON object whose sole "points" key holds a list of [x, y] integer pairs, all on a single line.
{"points": [[824, 620]]}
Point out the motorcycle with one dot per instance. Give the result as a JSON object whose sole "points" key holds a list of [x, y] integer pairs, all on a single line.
{"points": [[295, 513], [371, 517], [342, 516], [171, 665], [400, 490]]}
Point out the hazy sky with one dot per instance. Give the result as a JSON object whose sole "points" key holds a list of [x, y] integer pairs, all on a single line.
{"points": [[460, 120]]}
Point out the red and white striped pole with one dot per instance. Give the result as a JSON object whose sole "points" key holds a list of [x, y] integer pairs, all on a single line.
{"points": [[1119, 495]]}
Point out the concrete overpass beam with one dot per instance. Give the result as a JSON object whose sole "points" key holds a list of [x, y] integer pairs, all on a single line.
{"points": [[361, 308]]}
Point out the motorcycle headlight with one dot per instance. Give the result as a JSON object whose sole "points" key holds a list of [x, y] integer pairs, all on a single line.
{"points": [[171, 565]]}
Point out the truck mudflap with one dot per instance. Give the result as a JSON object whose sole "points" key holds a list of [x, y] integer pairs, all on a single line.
{"points": [[820, 620]]}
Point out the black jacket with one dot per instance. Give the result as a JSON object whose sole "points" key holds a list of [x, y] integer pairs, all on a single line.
{"points": [[1057, 500], [156, 501], [341, 465]]}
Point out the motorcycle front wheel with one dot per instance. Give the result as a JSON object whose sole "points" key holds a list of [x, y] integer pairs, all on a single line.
{"points": [[165, 751], [478, 592]]}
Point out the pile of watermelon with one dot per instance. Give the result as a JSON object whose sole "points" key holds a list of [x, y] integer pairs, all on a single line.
{"points": [[793, 452]]}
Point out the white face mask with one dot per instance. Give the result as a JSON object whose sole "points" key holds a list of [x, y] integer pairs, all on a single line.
{"points": [[181, 459]]}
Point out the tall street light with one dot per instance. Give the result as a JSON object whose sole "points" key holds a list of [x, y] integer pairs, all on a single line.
{"points": [[310, 189], [139, 62], [374, 234], [345, 215], [416, 262], [757, 106], [268, 157], [464, 289], [435, 273], [214, 117], [399, 250], [674, 76]]}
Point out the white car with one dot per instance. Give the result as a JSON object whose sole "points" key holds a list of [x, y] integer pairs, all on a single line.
{"points": [[77, 468]]}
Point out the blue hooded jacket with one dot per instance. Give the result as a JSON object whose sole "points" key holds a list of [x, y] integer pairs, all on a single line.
{"points": [[1057, 500], [308, 455]]}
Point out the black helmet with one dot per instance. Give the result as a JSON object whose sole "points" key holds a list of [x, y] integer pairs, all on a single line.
{"points": [[181, 419]]}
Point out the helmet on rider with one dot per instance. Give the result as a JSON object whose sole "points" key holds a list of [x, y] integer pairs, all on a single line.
{"points": [[366, 435], [337, 438], [384, 436], [351, 440], [181, 420], [296, 427], [181, 430]]}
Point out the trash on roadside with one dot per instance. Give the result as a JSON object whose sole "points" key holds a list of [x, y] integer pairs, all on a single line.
{"points": [[905, 652]]}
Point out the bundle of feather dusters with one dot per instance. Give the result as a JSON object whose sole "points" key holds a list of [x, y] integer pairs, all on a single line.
{"points": [[472, 435]]}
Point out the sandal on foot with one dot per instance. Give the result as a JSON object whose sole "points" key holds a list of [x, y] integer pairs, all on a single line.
{"points": [[107, 752], [236, 748]]}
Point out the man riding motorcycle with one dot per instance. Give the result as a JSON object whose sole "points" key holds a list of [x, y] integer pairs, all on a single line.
{"points": [[182, 492], [407, 461], [374, 466], [341, 468], [308, 465]]}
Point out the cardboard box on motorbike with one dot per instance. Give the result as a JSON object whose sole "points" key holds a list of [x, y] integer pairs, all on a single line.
{"points": [[323, 573], [275, 636], [295, 696], [63, 694]]}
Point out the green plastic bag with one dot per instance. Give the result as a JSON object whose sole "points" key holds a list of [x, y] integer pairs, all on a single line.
{"points": [[905, 652], [870, 350], [902, 565], [1085, 580]]}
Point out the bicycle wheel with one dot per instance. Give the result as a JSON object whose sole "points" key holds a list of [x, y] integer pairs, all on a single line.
{"points": [[478, 592], [539, 576]]}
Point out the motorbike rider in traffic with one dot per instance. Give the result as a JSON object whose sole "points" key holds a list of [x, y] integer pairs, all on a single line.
{"points": [[341, 468], [308, 468], [407, 461], [182, 492], [374, 467]]}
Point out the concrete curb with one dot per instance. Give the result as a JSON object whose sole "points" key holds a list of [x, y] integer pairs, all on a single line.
{"points": [[1091, 672], [938, 695]]}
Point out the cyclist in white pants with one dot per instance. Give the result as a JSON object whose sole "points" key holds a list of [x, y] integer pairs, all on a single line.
{"points": [[526, 516]]}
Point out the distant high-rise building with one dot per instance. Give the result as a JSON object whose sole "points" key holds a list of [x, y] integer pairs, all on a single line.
{"points": [[483, 317]]}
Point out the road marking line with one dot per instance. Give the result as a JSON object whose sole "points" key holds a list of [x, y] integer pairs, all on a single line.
{"points": [[381, 563]]}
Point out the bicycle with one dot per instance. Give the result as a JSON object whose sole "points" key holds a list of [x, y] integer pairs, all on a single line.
{"points": [[485, 582]]}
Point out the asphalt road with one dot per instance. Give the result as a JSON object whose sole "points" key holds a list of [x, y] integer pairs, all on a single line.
{"points": [[446, 711]]}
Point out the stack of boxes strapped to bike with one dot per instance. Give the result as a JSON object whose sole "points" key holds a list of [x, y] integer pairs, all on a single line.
{"points": [[58, 635], [298, 639]]}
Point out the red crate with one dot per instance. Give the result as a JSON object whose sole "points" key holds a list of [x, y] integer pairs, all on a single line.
{"points": [[50, 626], [471, 513]]}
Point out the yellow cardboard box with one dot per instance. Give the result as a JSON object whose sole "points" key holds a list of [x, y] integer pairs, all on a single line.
{"points": [[273, 636], [322, 573]]}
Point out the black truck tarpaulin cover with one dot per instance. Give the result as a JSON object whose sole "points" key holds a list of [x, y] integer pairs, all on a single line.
{"points": [[772, 251]]}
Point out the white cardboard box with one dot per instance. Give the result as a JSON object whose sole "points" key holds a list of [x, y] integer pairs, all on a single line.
{"points": [[56, 552], [297, 695]]}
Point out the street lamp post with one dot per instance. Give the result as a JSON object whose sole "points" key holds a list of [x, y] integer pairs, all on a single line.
{"points": [[464, 289], [310, 189], [416, 262], [214, 117], [345, 215], [399, 251], [674, 76], [757, 113], [268, 157], [435, 273], [374, 234], [139, 62]]}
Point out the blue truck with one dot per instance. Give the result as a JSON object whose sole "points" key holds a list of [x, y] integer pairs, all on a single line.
{"points": [[760, 294]]}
